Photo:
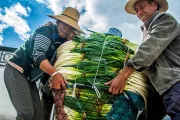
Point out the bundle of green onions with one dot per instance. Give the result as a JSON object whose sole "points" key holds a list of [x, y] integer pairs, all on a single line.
{"points": [[90, 62]]}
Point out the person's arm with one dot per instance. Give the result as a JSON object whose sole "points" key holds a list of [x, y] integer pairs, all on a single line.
{"points": [[41, 46], [57, 79]]}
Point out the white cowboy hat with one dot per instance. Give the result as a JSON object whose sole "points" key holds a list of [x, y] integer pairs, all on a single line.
{"points": [[163, 6], [70, 16]]}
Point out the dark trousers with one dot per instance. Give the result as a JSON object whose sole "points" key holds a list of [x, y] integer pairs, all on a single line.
{"points": [[168, 103], [171, 99], [155, 107], [24, 95]]}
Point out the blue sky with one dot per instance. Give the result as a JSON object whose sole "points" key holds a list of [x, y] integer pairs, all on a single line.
{"points": [[34, 16], [19, 18]]}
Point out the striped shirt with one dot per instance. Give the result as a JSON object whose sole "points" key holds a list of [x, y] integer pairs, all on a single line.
{"points": [[41, 46]]}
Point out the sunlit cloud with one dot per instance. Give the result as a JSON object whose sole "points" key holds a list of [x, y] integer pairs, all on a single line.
{"points": [[14, 17]]}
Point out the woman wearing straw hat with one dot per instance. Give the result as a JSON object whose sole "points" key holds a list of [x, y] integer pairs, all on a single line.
{"points": [[33, 61], [158, 54]]}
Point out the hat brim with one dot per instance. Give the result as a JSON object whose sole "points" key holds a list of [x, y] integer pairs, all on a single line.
{"points": [[129, 7], [68, 21]]}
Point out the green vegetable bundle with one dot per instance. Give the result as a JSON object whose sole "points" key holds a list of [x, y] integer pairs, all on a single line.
{"points": [[86, 56], [87, 63]]}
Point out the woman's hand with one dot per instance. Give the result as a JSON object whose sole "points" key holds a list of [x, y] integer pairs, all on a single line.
{"points": [[58, 82]]}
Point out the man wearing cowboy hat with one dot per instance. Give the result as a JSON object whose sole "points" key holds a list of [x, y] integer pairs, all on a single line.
{"points": [[34, 60], [158, 54]]}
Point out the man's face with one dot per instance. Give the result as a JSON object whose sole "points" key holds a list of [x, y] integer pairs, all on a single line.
{"points": [[64, 30], [145, 10]]}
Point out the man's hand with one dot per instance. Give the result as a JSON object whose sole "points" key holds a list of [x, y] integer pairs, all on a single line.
{"points": [[118, 83], [58, 82]]}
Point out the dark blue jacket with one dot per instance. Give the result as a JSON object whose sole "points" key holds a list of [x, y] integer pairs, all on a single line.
{"points": [[40, 46]]}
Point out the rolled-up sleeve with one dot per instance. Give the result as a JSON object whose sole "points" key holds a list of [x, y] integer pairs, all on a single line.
{"points": [[41, 45], [161, 34]]}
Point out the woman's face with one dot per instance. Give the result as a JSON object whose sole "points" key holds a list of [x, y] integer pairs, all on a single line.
{"points": [[64, 30], [71, 36]]}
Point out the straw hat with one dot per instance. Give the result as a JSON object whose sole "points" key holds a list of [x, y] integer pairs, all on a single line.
{"points": [[70, 16], [163, 6]]}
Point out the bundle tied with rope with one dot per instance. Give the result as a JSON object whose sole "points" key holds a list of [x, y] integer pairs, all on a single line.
{"points": [[87, 63]]}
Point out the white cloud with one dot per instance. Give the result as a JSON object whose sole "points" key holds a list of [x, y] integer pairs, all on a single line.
{"points": [[28, 9], [55, 5], [18, 8], [78, 4], [132, 32], [2, 26], [13, 18], [100, 15], [41, 1], [1, 38]]}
